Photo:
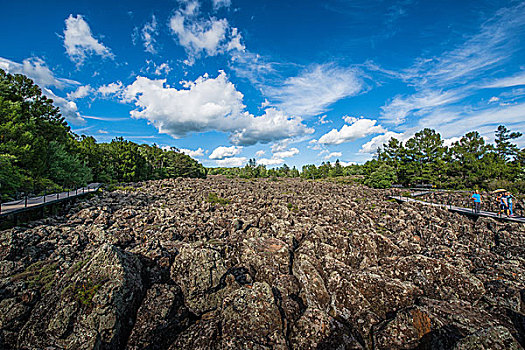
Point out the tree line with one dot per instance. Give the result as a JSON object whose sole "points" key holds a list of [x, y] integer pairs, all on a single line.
{"points": [[423, 159], [39, 152]]}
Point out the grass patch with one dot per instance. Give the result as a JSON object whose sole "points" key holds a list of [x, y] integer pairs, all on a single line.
{"points": [[215, 199], [39, 275], [292, 207], [87, 291]]}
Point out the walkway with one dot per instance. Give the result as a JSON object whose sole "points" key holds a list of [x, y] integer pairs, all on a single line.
{"points": [[19, 206], [460, 210]]}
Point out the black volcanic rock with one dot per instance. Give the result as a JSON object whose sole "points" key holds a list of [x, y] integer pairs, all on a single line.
{"points": [[287, 264]]}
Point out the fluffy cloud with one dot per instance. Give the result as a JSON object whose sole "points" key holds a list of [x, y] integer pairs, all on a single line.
{"points": [[222, 152], [192, 153], [260, 153], [197, 35], [279, 153], [333, 155], [110, 89], [80, 92], [287, 153], [316, 88], [272, 125], [378, 141], [79, 42], [207, 104], [234, 161], [356, 129]]}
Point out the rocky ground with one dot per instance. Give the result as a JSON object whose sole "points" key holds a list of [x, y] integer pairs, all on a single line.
{"points": [[231, 264]]}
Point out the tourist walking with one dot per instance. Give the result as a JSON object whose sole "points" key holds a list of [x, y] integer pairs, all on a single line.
{"points": [[502, 202], [476, 197], [509, 198]]}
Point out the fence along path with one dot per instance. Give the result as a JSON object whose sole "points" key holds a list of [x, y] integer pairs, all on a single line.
{"points": [[28, 203], [461, 210]]}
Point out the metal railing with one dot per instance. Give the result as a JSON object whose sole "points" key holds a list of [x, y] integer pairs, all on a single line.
{"points": [[34, 200], [461, 199]]}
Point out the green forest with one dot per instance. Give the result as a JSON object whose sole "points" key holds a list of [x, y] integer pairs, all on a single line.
{"points": [[39, 152]]}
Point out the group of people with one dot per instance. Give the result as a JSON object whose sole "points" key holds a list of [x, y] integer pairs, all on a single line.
{"points": [[504, 201]]}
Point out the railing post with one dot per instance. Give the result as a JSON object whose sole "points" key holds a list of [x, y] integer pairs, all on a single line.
{"points": [[26, 201], [45, 195]]}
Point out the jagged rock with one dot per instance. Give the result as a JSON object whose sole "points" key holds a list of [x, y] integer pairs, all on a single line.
{"points": [[437, 278], [202, 335], [406, 329], [314, 290], [491, 338], [198, 272], [268, 258], [92, 305], [329, 266], [251, 317], [160, 318]]}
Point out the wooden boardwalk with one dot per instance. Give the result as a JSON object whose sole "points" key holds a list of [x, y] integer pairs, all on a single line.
{"points": [[19, 206], [460, 210]]}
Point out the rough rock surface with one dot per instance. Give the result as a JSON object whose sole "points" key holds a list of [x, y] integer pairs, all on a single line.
{"points": [[287, 264]]}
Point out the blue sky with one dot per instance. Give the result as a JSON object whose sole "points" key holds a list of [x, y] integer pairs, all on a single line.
{"points": [[293, 82]]}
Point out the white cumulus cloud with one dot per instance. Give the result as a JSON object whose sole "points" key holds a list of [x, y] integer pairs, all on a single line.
{"points": [[358, 128], [333, 155], [272, 125], [198, 35], [378, 141], [207, 104], [110, 89], [279, 152], [80, 92], [192, 153], [79, 41], [222, 152]]}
